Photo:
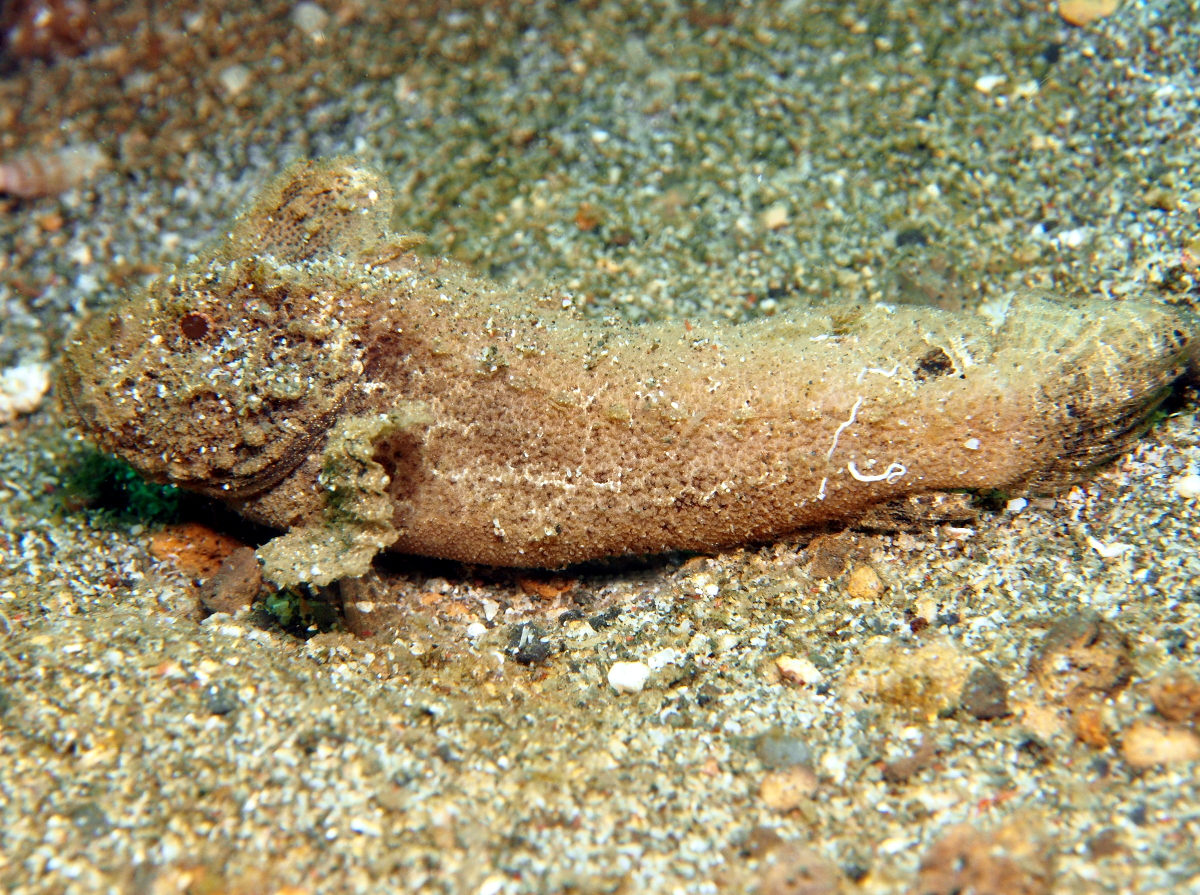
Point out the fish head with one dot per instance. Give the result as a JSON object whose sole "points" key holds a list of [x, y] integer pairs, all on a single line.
{"points": [[222, 377]]}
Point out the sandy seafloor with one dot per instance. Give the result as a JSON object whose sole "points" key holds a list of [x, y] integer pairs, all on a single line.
{"points": [[664, 160]]}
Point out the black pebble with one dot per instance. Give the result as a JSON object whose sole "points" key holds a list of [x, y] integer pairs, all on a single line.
{"points": [[528, 645], [985, 696], [706, 695], [605, 618]]}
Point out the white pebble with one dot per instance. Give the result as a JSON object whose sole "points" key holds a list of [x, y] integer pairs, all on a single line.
{"points": [[988, 83], [834, 765], [22, 389], [365, 826], [663, 658], [1188, 486], [235, 79], [776, 216], [493, 885], [972, 444], [1073, 239], [311, 19], [798, 670], [629, 677], [1109, 551], [475, 630], [1016, 505]]}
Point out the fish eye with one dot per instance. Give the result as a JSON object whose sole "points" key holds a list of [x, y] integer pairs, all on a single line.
{"points": [[194, 326]]}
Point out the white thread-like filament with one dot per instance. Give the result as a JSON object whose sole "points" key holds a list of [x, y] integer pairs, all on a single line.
{"points": [[843, 427], [888, 373], [893, 473]]}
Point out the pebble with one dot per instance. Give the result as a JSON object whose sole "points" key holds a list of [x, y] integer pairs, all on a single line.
{"points": [[234, 79], [776, 217], [528, 644], [798, 670], [1084, 12], [22, 389], [779, 867], [778, 748], [1041, 722], [311, 19], [928, 681], [900, 770], [985, 695], [628, 677], [1082, 655], [1148, 743], [864, 583], [1105, 844], [787, 790], [220, 699], [194, 549], [235, 585], [665, 657], [493, 885], [32, 175], [988, 83], [1109, 551], [1188, 486], [1090, 728], [828, 557], [795, 869], [1011, 860], [1176, 697]]}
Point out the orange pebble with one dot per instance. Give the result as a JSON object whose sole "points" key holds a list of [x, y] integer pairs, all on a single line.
{"points": [[1084, 12], [196, 550]]}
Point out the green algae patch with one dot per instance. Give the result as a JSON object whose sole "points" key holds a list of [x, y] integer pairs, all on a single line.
{"points": [[299, 614], [113, 492]]}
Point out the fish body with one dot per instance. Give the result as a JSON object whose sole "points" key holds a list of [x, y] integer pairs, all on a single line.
{"points": [[322, 378]]}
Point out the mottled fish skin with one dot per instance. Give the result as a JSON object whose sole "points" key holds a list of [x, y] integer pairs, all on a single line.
{"points": [[324, 379]]}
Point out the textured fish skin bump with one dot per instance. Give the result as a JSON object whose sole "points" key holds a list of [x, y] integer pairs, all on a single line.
{"points": [[319, 376]]}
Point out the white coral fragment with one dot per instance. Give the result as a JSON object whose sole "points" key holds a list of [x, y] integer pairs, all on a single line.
{"points": [[628, 677], [21, 390]]}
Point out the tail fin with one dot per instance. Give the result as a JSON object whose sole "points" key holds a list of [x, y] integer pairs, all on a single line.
{"points": [[1104, 367]]}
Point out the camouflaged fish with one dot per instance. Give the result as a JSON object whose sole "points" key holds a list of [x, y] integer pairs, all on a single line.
{"points": [[320, 377]]}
